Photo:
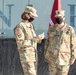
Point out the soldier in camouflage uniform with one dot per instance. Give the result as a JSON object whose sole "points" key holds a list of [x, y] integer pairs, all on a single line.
{"points": [[27, 40], [60, 46]]}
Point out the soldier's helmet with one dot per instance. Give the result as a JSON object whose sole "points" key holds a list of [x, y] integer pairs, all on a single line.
{"points": [[60, 13], [31, 10]]}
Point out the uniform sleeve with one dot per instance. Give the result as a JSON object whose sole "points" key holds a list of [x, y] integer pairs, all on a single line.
{"points": [[73, 44], [35, 38], [20, 38], [46, 42]]}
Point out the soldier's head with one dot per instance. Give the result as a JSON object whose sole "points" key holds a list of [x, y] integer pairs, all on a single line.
{"points": [[60, 16], [29, 13]]}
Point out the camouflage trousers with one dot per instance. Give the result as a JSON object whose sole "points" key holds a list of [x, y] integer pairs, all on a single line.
{"points": [[28, 60], [55, 69]]}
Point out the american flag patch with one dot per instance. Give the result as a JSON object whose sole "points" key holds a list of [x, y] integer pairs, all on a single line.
{"points": [[17, 31]]}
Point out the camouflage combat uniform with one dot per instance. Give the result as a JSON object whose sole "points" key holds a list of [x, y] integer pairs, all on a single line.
{"points": [[26, 40], [60, 46]]}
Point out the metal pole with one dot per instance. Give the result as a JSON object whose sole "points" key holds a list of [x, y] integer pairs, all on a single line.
{"points": [[2, 32], [28, 2], [3, 12]]}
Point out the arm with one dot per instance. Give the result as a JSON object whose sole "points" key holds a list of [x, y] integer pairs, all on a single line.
{"points": [[38, 38], [73, 46], [21, 37], [46, 42]]}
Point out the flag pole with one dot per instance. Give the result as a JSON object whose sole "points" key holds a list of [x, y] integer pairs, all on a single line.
{"points": [[29, 3]]}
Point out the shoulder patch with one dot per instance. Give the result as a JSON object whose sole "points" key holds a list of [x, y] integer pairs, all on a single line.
{"points": [[18, 32]]}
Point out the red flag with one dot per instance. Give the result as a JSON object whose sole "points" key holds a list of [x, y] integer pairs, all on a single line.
{"points": [[56, 6]]}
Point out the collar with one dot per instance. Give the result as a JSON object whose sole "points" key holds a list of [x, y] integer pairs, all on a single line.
{"points": [[28, 24], [62, 28]]}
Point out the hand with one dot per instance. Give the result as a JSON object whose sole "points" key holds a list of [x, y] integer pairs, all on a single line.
{"points": [[41, 36], [72, 62], [46, 60]]}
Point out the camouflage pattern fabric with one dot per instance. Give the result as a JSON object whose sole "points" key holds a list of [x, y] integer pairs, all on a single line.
{"points": [[28, 61], [56, 69], [27, 41], [60, 45]]}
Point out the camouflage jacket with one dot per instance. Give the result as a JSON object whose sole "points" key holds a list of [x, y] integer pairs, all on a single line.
{"points": [[25, 35], [60, 44]]}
